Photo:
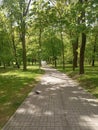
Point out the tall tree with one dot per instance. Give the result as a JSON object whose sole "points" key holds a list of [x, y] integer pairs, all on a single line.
{"points": [[22, 8], [83, 37], [5, 41]]}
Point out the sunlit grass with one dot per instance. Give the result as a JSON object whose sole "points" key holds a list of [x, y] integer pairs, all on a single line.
{"points": [[15, 85], [89, 80]]}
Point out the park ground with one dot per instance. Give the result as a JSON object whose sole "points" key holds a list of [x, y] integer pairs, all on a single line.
{"points": [[60, 105], [16, 85]]}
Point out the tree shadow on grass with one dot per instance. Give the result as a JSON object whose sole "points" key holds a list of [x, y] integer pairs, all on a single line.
{"points": [[61, 105], [13, 90]]}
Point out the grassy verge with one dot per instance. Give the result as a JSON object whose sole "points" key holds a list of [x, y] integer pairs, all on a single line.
{"points": [[89, 80], [15, 85]]}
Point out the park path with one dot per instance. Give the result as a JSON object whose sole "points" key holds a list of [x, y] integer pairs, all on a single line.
{"points": [[61, 105]]}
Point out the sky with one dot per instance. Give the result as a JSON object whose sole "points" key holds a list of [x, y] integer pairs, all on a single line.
{"points": [[0, 1]]}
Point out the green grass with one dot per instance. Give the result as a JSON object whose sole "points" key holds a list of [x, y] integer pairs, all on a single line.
{"points": [[15, 85], [89, 80]]}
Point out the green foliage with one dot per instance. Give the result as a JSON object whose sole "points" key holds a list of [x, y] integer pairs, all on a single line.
{"points": [[51, 47], [5, 41], [50, 19]]}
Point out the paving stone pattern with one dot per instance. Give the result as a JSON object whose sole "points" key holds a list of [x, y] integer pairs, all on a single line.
{"points": [[61, 105]]}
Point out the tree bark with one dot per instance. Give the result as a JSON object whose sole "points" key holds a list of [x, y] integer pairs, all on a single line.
{"points": [[55, 62], [75, 54], [63, 57], [82, 51], [24, 10], [94, 51], [14, 48], [83, 43], [93, 57], [40, 38], [23, 33]]}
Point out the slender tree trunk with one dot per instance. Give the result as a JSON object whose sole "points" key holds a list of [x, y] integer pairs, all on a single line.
{"points": [[61, 33], [93, 57], [82, 51], [23, 33], [53, 53], [75, 49], [63, 57], [83, 44], [75, 54], [14, 49], [40, 38], [24, 11], [55, 61], [93, 62], [94, 51]]}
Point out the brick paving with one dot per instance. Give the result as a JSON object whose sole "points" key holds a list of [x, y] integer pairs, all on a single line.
{"points": [[61, 105]]}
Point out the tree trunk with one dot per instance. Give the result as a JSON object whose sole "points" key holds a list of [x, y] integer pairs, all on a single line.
{"points": [[55, 61], [40, 36], [93, 57], [63, 57], [23, 32], [14, 48], [94, 51], [24, 11], [82, 50], [75, 54], [93, 62], [53, 53], [0, 63], [83, 44]]}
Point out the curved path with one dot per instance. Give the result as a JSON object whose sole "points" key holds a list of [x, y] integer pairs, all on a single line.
{"points": [[61, 105]]}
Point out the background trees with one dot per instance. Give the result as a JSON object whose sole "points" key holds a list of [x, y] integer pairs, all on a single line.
{"points": [[55, 31], [5, 41]]}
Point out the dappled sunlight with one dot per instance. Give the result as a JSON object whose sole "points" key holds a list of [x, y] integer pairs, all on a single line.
{"points": [[48, 113], [51, 80], [2, 92], [15, 84], [9, 73], [60, 103], [21, 111], [53, 88], [90, 121], [89, 100], [41, 97], [73, 98], [46, 68], [31, 93], [7, 104], [29, 109]]}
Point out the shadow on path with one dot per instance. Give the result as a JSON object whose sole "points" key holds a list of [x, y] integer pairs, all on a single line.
{"points": [[61, 105]]}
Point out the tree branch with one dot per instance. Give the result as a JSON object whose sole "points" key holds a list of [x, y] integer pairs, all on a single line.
{"points": [[26, 11]]}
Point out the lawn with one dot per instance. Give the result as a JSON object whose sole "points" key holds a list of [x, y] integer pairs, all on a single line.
{"points": [[89, 80], [15, 85]]}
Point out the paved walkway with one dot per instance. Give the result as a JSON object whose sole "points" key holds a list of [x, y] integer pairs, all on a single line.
{"points": [[61, 105]]}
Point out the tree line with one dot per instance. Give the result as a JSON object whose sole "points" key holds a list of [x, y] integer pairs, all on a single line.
{"points": [[58, 31]]}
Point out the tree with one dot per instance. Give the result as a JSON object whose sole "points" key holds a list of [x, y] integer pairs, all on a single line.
{"points": [[83, 38], [22, 8], [5, 41], [52, 47]]}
